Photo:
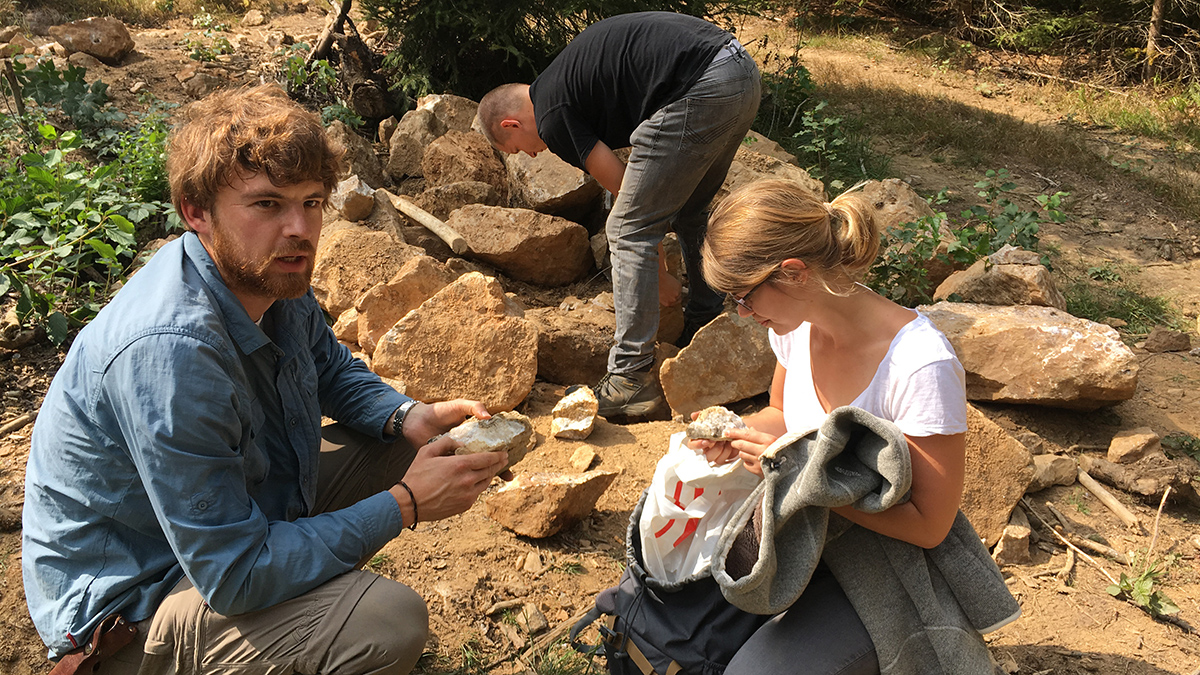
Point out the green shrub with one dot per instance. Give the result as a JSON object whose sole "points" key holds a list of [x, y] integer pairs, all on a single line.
{"points": [[831, 148], [900, 272], [72, 201], [470, 46]]}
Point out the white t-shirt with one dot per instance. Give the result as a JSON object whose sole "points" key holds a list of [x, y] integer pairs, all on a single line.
{"points": [[919, 385]]}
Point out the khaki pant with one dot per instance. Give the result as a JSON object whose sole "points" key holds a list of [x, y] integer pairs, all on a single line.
{"points": [[356, 623]]}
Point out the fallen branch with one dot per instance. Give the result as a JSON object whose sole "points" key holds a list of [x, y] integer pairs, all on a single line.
{"points": [[1068, 543], [540, 645], [1097, 547], [1033, 73], [17, 423], [325, 39], [430, 222], [1065, 573], [1066, 525], [11, 76], [1131, 521]]}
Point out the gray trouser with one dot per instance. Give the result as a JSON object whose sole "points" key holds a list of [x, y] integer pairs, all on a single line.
{"points": [[820, 634], [355, 623], [677, 163]]}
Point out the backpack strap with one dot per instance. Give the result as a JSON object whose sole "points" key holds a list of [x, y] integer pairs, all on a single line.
{"points": [[609, 636], [587, 620], [639, 659]]}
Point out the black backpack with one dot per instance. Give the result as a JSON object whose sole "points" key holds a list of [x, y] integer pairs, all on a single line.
{"points": [[652, 628]]}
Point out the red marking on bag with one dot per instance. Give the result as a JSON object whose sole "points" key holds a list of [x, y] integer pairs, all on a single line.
{"points": [[669, 525], [688, 530]]}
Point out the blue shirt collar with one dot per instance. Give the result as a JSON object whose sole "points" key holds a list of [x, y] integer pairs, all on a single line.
{"points": [[245, 333]]}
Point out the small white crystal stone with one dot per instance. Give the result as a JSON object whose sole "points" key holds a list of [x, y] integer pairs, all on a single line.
{"points": [[510, 431], [713, 423]]}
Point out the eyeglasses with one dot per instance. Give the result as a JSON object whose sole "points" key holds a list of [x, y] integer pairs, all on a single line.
{"points": [[744, 301]]}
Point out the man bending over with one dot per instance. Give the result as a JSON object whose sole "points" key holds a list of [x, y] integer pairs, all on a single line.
{"points": [[683, 93]]}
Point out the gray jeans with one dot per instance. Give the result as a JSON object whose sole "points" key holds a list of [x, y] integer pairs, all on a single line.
{"points": [[678, 162], [357, 622]]}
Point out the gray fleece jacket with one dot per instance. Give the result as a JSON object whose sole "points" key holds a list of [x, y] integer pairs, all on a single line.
{"points": [[925, 609]]}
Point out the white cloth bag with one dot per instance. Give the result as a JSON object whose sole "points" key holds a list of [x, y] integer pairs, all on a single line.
{"points": [[688, 504]]}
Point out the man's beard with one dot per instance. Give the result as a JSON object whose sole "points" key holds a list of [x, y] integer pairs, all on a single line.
{"points": [[255, 277]]}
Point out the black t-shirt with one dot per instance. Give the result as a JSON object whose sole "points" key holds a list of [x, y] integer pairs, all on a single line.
{"points": [[615, 75]]}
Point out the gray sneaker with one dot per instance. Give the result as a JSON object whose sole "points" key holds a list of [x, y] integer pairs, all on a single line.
{"points": [[628, 394]]}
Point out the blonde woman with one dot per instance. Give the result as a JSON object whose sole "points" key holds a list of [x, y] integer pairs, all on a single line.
{"points": [[792, 262]]}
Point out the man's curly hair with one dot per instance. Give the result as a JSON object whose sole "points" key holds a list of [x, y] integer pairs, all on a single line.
{"points": [[251, 130]]}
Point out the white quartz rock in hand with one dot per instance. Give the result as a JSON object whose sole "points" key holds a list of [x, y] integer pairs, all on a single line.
{"points": [[713, 423], [509, 431]]}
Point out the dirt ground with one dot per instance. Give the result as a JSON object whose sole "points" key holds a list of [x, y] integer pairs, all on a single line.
{"points": [[464, 565]]}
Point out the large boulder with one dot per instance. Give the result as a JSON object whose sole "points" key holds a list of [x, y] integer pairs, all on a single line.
{"points": [[573, 341], [441, 200], [458, 156], [540, 505], [998, 471], [360, 155], [750, 166], [728, 360], [104, 38], [406, 147], [1038, 355], [1004, 278], [467, 341], [529, 246], [381, 307], [548, 184], [351, 259], [455, 113]]}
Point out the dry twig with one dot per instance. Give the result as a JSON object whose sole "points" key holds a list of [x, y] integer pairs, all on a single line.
{"points": [[17, 423], [1131, 521], [1068, 543]]}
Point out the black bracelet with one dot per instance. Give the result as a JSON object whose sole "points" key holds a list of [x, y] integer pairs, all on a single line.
{"points": [[414, 503]]}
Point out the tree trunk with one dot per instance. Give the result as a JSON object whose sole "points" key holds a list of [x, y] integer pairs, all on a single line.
{"points": [[1152, 35]]}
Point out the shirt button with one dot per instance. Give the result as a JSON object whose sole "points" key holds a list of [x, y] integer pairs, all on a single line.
{"points": [[294, 421]]}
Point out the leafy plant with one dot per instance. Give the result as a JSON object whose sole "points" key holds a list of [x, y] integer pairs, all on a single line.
{"points": [[206, 20], [1144, 590], [1183, 443], [68, 224], [52, 90], [306, 80], [379, 562], [207, 47], [339, 111], [1001, 221], [900, 271]]}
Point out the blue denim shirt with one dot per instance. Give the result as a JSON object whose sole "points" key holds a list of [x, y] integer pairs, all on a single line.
{"points": [[179, 438]]}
